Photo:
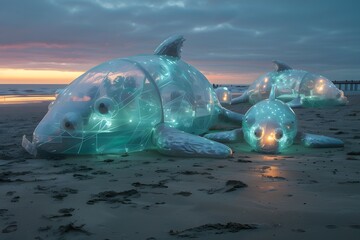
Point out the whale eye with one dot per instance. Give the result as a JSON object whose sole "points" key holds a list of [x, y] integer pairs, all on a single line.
{"points": [[103, 109], [104, 106], [71, 122], [278, 134], [68, 125], [258, 132]]}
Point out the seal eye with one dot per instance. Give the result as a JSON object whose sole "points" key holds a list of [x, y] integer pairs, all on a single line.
{"points": [[105, 106], [278, 134], [258, 132]]}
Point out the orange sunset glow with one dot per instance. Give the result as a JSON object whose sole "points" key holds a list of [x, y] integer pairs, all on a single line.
{"points": [[224, 78], [35, 76], [24, 76]]}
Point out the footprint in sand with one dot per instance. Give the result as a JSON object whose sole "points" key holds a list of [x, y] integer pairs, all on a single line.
{"points": [[10, 228]]}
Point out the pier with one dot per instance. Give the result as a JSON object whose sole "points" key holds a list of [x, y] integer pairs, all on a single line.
{"points": [[348, 85]]}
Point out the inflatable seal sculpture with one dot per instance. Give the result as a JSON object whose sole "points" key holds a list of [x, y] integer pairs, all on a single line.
{"points": [[271, 126]]}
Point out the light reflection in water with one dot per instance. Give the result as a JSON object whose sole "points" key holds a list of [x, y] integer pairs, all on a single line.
{"points": [[21, 99]]}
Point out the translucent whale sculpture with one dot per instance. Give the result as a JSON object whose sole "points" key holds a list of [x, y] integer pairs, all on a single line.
{"points": [[270, 126], [297, 87], [130, 104]]}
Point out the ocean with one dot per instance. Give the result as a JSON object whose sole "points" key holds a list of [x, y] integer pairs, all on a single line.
{"points": [[30, 89], [50, 89], [32, 93]]}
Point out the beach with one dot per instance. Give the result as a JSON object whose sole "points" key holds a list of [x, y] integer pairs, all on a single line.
{"points": [[299, 194]]}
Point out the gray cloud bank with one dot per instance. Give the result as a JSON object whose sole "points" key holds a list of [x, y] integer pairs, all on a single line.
{"points": [[223, 37]]}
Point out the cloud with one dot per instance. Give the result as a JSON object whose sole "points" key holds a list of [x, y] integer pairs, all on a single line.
{"points": [[226, 37]]}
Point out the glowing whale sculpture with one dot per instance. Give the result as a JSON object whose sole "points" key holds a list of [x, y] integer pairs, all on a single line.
{"points": [[297, 87], [271, 126], [131, 104]]}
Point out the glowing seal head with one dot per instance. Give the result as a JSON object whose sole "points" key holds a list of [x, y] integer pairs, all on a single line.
{"points": [[269, 126]]}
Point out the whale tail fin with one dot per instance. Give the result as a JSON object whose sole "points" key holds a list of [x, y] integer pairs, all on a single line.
{"points": [[281, 66], [171, 46]]}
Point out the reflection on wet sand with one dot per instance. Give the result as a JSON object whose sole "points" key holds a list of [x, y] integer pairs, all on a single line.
{"points": [[21, 99]]}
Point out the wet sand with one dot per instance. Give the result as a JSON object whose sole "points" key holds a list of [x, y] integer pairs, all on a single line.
{"points": [[300, 194]]}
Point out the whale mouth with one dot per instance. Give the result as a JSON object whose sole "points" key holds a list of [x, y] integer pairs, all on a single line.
{"points": [[41, 144], [29, 146]]}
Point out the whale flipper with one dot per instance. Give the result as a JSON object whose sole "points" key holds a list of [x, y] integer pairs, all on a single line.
{"points": [[171, 46], [318, 141], [228, 116], [281, 66], [235, 135], [173, 142]]}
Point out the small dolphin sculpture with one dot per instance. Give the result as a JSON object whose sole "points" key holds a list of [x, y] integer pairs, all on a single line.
{"points": [[297, 87], [224, 95], [271, 126], [131, 104]]}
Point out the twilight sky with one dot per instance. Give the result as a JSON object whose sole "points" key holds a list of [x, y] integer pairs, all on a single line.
{"points": [[229, 41]]}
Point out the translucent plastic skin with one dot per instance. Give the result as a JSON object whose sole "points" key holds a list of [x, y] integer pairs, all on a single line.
{"points": [[314, 90], [270, 126], [115, 106], [223, 94]]}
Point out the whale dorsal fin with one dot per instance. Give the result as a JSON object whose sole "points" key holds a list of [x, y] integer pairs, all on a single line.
{"points": [[281, 66], [171, 46]]}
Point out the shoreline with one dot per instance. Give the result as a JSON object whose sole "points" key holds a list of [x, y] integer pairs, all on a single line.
{"points": [[25, 99], [10, 99]]}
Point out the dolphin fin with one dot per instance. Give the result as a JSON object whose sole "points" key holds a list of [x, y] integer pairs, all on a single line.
{"points": [[241, 99], [173, 142], [171, 46], [235, 135], [318, 141], [281, 66]]}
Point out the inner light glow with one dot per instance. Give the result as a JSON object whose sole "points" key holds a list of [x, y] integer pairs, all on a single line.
{"points": [[223, 94]]}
